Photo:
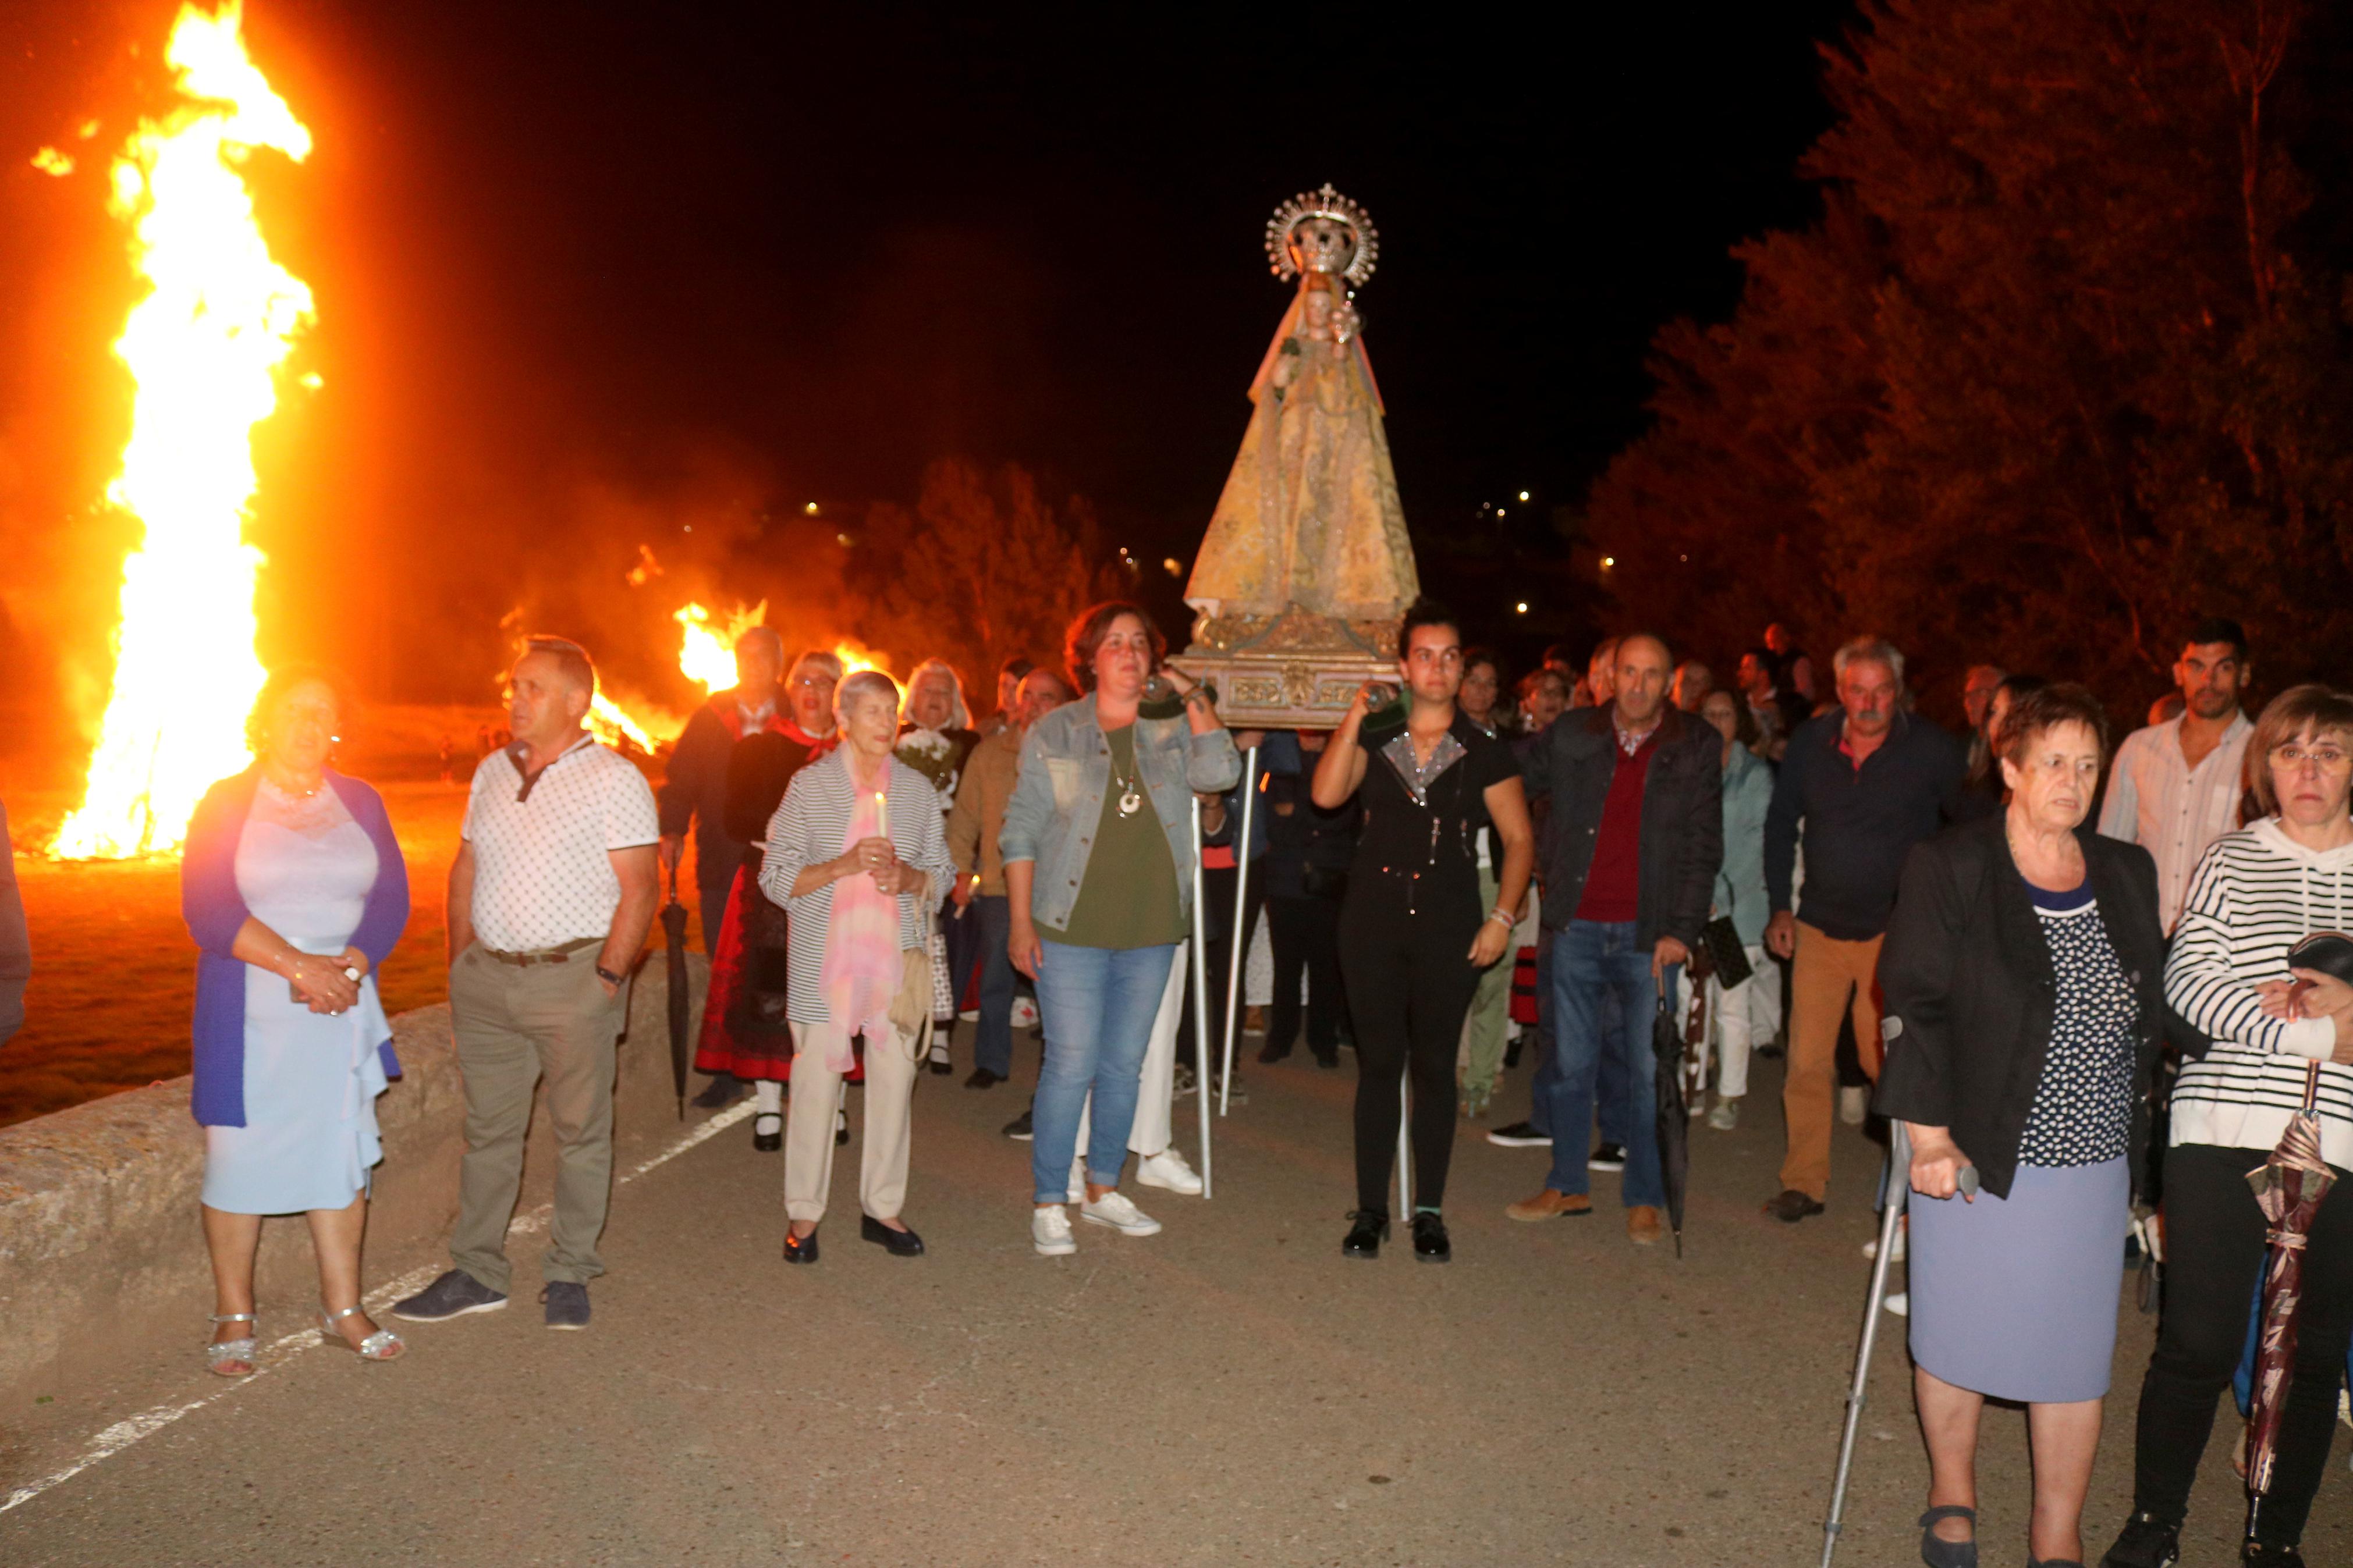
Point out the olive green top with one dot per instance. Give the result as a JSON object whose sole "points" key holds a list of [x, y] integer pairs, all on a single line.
{"points": [[1129, 896]]}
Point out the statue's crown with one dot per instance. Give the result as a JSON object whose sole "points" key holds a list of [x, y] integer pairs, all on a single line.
{"points": [[1289, 255]]}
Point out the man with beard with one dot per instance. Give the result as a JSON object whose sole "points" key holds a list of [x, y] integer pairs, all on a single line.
{"points": [[2175, 787]]}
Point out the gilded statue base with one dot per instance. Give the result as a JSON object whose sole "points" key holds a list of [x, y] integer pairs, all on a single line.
{"points": [[1297, 670]]}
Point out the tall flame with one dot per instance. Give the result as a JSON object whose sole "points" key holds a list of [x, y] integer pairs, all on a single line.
{"points": [[202, 347], [706, 653], [855, 656]]}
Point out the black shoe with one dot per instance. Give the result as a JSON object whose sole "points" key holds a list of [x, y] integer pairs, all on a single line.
{"points": [[1939, 1552], [1518, 1135], [799, 1248], [1370, 1229], [1018, 1128], [725, 1089], [983, 1078], [567, 1304], [767, 1142], [1792, 1206], [1511, 1053], [1606, 1157], [2255, 1555], [1429, 1243], [1773, 1053], [1327, 1059], [1271, 1052], [453, 1295], [2144, 1542], [901, 1243]]}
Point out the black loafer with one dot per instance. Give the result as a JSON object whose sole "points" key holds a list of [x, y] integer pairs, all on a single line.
{"points": [[983, 1078], [1429, 1243], [901, 1243], [1792, 1206], [1366, 1234], [799, 1248], [2145, 1542], [767, 1142], [1939, 1552]]}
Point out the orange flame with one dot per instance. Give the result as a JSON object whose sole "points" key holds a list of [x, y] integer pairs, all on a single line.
{"points": [[202, 348], [855, 656], [706, 652]]}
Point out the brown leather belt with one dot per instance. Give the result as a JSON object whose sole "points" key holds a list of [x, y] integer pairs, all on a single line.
{"points": [[563, 954]]}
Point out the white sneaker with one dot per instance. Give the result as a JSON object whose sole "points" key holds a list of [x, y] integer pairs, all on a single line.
{"points": [[1854, 1104], [1114, 1210], [1167, 1169], [1049, 1232], [1870, 1247], [1726, 1114], [1899, 1302], [1025, 1013]]}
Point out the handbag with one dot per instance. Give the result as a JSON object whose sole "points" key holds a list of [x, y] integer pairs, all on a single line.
{"points": [[1726, 953]]}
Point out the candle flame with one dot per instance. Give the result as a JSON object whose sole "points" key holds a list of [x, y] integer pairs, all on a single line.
{"points": [[202, 347]]}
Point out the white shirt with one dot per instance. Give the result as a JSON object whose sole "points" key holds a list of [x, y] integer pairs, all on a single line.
{"points": [[543, 872], [2174, 810]]}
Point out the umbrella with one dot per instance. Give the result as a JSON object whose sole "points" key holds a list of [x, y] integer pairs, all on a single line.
{"points": [[673, 919], [1675, 1123], [2288, 1188]]}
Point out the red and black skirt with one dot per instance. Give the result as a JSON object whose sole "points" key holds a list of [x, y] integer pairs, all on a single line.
{"points": [[746, 1028]]}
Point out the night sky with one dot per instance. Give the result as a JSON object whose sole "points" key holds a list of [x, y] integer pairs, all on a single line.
{"points": [[586, 272]]}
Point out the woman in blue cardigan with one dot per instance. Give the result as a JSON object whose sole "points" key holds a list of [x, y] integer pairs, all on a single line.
{"points": [[294, 887]]}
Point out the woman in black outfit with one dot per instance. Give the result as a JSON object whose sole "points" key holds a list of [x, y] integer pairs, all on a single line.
{"points": [[1414, 933]]}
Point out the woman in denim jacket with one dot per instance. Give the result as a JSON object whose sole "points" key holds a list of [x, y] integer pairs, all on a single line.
{"points": [[1098, 855]]}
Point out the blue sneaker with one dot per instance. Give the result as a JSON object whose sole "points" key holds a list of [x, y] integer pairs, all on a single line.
{"points": [[453, 1295], [567, 1304]]}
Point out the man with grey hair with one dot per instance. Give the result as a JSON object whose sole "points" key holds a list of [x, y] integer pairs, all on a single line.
{"points": [[1867, 780], [549, 898]]}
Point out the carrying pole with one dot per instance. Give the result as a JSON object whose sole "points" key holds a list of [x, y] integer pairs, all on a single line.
{"points": [[1405, 1148], [1200, 961], [1899, 1190], [1239, 954]]}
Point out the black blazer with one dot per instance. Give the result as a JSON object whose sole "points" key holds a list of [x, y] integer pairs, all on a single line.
{"points": [[1969, 988], [1681, 842]]}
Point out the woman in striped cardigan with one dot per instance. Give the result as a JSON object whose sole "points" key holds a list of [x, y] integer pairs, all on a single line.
{"points": [[2257, 892], [857, 854]]}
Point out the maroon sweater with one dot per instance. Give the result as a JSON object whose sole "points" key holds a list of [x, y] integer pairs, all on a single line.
{"points": [[1613, 884]]}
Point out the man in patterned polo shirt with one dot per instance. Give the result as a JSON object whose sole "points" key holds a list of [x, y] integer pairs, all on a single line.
{"points": [[549, 903]]}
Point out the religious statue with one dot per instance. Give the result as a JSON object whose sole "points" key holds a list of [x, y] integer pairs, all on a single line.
{"points": [[1307, 553]]}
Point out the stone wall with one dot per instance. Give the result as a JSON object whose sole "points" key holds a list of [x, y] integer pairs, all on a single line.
{"points": [[102, 1259]]}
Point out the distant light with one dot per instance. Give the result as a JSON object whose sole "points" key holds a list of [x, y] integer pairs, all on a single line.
{"points": [[1522, 607], [810, 508], [1499, 511], [686, 528], [1523, 495], [1174, 567], [1608, 562], [1683, 558], [843, 540]]}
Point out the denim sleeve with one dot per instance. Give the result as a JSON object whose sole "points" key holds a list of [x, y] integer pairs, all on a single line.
{"points": [[1212, 766]]}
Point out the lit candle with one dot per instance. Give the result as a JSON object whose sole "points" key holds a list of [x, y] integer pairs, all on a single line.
{"points": [[883, 813]]}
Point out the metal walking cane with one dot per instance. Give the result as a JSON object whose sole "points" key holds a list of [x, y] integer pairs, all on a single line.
{"points": [[1200, 960], [1899, 1191], [1404, 1146], [1240, 956]]}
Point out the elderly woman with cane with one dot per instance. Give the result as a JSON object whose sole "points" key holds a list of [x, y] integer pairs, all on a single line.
{"points": [[2022, 1021], [2258, 892], [856, 855], [1098, 877]]}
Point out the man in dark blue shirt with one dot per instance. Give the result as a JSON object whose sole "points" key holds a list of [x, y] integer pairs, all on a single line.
{"points": [[1868, 781]]}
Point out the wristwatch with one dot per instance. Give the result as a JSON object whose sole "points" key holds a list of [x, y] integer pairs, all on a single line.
{"points": [[607, 976]]}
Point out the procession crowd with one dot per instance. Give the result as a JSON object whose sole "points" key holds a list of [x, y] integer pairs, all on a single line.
{"points": [[2065, 972]]}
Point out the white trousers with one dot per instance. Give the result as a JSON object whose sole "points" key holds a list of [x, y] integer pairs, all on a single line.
{"points": [[1740, 1019]]}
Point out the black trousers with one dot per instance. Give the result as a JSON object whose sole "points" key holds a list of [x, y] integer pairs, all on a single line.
{"points": [[2214, 1252], [1306, 937], [1409, 984]]}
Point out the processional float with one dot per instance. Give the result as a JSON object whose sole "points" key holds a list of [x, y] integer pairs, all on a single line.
{"points": [[1306, 570]]}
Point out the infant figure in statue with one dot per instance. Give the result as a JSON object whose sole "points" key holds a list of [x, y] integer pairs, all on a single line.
{"points": [[1310, 517]]}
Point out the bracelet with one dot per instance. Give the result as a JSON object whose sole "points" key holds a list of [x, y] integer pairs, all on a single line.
{"points": [[1501, 917], [1201, 691], [606, 976]]}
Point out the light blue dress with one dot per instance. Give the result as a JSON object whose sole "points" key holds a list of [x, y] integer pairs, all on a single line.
{"points": [[304, 868]]}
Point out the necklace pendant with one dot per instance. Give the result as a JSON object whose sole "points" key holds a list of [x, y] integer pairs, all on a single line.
{"points": [[1130, 804]]}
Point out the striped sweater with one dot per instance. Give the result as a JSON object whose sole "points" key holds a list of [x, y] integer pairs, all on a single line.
{"points": [[810, 825], [2255, 894]]}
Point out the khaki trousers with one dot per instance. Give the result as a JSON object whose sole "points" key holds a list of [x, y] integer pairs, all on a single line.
{"points": [[808, 1122], [515, 1027], [1826, 977]]}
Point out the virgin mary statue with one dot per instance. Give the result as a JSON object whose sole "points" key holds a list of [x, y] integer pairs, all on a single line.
{"points": [[1310, 517]]}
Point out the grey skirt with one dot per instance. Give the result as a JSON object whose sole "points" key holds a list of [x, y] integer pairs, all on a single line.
{"points": [[2017, 1298]]}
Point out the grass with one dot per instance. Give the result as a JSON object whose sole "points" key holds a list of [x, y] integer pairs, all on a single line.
{"points": [[114, 973]]}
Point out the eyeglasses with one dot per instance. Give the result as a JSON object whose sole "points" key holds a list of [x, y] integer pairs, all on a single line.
{"points": [[2326, 759]]}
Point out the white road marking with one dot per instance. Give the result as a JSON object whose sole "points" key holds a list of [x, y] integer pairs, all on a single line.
{"points": [[280, 1352]]}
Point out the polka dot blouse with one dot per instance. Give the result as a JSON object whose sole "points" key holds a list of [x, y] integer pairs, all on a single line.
{"points": [[2082, 1105]]}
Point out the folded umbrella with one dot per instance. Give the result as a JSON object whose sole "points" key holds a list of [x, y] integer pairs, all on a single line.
{"points": [[673, 921], [1674, 1121]]}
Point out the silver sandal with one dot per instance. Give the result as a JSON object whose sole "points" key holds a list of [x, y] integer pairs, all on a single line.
{"points": [[221, 1353], [381, 1345]]}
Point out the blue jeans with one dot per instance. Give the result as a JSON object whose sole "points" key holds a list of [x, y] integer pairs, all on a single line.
{"points": [[1592, 963], [993, 1043], [1097, 1005]]}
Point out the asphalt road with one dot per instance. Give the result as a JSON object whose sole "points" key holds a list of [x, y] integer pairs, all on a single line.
{"points": [[1231, 1391]]}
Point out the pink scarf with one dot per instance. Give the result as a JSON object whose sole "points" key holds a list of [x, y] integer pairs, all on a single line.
{"points": [[859, 976]]}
